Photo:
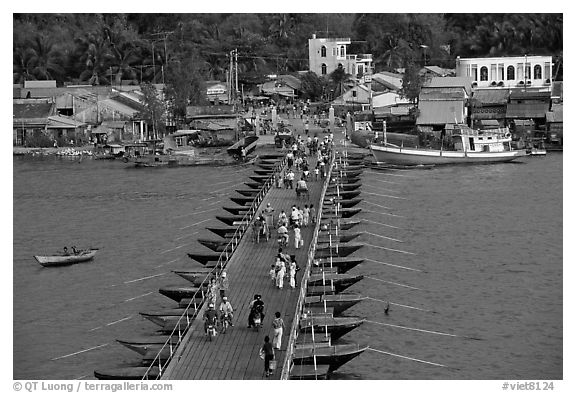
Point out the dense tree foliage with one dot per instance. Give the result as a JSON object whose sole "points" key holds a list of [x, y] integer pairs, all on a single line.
{"points": [[108, 48]]}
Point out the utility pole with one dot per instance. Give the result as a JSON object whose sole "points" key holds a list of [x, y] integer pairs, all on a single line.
{"points": [[236, 64]]}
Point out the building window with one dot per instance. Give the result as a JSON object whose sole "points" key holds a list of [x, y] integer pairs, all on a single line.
{"points": [[510, 73], [493, 74], [474, 72], [323, 69], [547, 70], [342, 51], [334, 51], [500, 72], [537, 71], [520, 71], [484, 73], [353, 93], [323, 51], [528, 69]]}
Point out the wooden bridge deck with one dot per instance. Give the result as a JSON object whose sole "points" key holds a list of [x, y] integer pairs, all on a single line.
{"points": [[235, 355]]}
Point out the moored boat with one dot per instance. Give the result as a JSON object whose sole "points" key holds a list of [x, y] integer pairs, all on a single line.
{"points": [[338, 302], [242, 201], [177, 292], [340, 250], [254, 185], [340, 281], [204, 259], [345, 187], [345, 203], [336, 326], [128, 373], [248, 193], [194, 276], [342, 224], [214, 245], [63, 259], [467, 147], [334, 356], [265, 172], [342, 237], [346, 212], [259, 178], [230, 220], [146, 343], [223, 232], [342, 194], [237, 211], [305, 371], [342, 263]]}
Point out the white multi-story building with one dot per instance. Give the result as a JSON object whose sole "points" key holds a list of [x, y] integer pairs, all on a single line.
{"points": [[327, 54], [519, 71]]}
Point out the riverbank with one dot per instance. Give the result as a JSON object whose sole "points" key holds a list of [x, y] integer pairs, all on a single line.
{"points": [[48, 151]]}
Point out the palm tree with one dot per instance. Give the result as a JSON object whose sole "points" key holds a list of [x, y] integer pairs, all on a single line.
{"points": [[45, 58], [338, 79], [94, 56], [22, 63]]}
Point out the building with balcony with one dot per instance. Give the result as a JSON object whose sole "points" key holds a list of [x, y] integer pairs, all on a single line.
{"points": [[507, 72], [327, 54]]}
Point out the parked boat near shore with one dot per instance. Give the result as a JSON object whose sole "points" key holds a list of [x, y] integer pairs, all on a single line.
{"points": [[334, 356], [128, 373], [467, 147]]}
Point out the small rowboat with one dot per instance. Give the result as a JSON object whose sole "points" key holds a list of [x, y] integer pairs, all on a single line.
{"points": [[242, 201], [340, 281], [229, 220], [264, 172], [205, 258], [342, 237], [344, 224], [342, 263], [345, 187], [214, 245], [260, 178], [59, 260], [178, 293], [223, 232], [344, 203], [248, 193], [194, 276], [338, 303], [253, 185]]}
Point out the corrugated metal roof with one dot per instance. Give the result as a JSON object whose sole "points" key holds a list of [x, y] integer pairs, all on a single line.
{"points": [[526, 110], [32, 110], [63, 122], [490, 96], [442, 94], [518, 94], [114, 123], [557, 114], [464, 82], [440, 112]]}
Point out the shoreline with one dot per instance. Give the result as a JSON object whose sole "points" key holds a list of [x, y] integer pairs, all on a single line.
{"points": [[46, 151]]}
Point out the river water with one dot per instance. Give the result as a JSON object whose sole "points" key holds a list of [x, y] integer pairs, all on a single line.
{"points": [[480, 275]]}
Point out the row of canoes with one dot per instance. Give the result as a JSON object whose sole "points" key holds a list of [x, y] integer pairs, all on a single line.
{"points": [[316, 356], [166, 320]]}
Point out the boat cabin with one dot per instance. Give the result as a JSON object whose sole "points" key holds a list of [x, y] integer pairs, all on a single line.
{"points": [[493, 140]]}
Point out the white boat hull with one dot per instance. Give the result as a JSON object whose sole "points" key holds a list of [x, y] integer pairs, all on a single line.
{"points": [[59, 260], [412, 156]]}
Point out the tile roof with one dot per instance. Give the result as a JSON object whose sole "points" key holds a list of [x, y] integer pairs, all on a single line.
{"points": [[464, 82], [32, 110], [442, 94]]}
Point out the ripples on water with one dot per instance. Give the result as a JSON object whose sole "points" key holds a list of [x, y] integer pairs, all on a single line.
{"points": [[488, 244]]}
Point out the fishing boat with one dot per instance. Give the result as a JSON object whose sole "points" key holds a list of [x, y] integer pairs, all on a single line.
{"points": [[63, 259], [334, 355], [346, 212], [340, 250], [342, 224], [225, 233], [127, 373], [338, 303], [204, 259], [242, 201], [335, 326], [340, 281], [309, 372], [177, 292], [342, 237], [146, 343], [467, 146], [342, 263], [214, 245]]}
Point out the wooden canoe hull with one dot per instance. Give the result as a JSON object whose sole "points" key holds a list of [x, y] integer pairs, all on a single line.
{"points": [[248, 193], [309, 372], [229, 220], [342, 263], [178, 293], [334, 356], [259, 178], [214, 245], [338, 303], [128, 373], [194, 276], [62, 260], [242, 201], [236, 211], [339, 281], [346, 187], [223, 232], [204, 259], [343, 250], [147, 343], [344, 224], [341, 238], [253, 185], [342, 213], [336, 326], [343, 194]]}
